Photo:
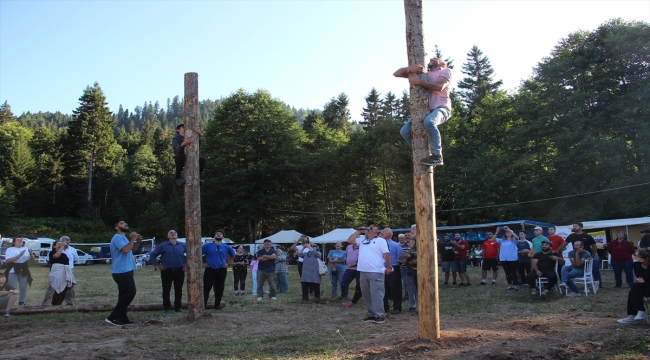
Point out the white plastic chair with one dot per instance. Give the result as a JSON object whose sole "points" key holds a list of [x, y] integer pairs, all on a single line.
{"points": [[587, 279], [138, 263], [540, 281]]}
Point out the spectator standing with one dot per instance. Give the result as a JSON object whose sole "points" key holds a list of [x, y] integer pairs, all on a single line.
{"points": [[17, 272], [447, 257], [404, 242], [266, 270], [73, 256], [621, 250], [393, 281], [490, 258], [297, 247], [478, 254], [240, 270], [410, 259], [538, 239], [122, 267], [172, 269], [8, 295], [218, 256], [282, 272], [644, 243], [523, 257], [60, 277], [254, 264], [637, 306], [374, 264], [556, 240], [310, 278], [351, 258], [336, 260], [461, 248], [509, 257]]}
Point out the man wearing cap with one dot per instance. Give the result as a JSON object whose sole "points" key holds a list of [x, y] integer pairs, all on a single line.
{"points": [[577, 256], [218, 256], [589, 244], [645, 239], [172, 269], [537, 240], [438, 80], [373, 264], [543, 264], [178, 145], [266, 270], [73, 256]]}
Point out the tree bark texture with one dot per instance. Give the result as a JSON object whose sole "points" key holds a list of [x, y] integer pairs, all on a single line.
{"points": [[193, 199], [26, 310], [428, 303]]}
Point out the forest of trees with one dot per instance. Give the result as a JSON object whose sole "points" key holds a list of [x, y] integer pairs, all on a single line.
{"points": [[577, 128]]}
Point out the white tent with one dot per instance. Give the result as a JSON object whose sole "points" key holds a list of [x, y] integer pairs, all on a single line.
{"points": [[603, 224], [334, 236], [282, 237]]}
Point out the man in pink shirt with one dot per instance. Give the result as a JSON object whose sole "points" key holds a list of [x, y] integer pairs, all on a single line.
{"points": [[438, 79]]}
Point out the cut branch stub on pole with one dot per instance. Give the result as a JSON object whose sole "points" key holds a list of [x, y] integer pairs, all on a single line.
{"points": [[193, 199], [428, 299]]}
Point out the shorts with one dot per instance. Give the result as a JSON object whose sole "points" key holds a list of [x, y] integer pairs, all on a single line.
{"points": [[490, 264], [461, 265], [4, 301], [448, 265]]}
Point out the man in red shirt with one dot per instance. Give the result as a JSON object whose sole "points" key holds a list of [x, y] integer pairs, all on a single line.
{"points": [[490, 258], [461, 248], [556, 240]]}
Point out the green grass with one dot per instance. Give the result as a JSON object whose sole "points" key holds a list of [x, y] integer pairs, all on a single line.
{"points": [[300, 330]]}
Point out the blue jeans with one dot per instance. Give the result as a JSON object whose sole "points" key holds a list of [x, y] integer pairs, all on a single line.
{"points": [[568, 273], [619, 267], [336, 279], [431, 122], [595, 270], [412, 282], [404, 282]]}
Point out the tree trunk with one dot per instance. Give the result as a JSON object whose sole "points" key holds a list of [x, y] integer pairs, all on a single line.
{"points": [[193, 199], [429, 316]]}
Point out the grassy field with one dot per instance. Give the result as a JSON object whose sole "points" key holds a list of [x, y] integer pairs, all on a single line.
{"points": [[290, 328]]}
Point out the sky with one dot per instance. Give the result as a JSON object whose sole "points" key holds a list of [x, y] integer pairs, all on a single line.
{"points": [[303, 52]]}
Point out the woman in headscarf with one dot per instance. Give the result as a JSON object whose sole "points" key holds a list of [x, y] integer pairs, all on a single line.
{"points": [[310, 278]]}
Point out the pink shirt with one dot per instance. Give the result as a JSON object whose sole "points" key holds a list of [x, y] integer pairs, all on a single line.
{"points": [[439, 98], [351, 257], [254, 265]]}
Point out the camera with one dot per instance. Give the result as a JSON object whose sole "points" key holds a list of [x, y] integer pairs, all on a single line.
{"points": [[502, 227]]}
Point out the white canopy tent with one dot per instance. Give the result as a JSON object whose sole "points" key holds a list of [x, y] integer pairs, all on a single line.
{"points": [[603, 224], [334, 236], [282, 237]]}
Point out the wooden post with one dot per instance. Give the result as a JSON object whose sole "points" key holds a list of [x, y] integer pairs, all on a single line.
{"points": [[193, 199], [425, 215]]}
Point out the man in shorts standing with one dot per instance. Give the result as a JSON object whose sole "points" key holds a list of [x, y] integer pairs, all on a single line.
{"points": [[461, 248], [447, 258], [490, 258]]}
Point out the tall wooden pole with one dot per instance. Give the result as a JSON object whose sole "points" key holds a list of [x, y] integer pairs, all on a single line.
{"points": [[425, 215], [193, 199]]}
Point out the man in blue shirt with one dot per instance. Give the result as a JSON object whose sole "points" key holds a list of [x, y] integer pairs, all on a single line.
{"points": [[266, 270], [393, 281], [172, 269], [578, 256], [218, 257], [122, 266]]}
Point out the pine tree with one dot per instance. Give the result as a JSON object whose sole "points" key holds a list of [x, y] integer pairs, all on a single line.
{"points": [[336, 113], [88, 144], [5, 113], [371, 112], [389, 106], [479, 81]]}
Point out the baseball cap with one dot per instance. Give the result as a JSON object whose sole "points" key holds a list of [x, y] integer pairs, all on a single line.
{"points": [[537, 228], [546, 241], [265, 240], [647, 231]]}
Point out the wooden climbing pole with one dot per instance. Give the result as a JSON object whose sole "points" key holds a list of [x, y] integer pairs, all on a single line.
{"points": [[193, 199], [425, 215]]}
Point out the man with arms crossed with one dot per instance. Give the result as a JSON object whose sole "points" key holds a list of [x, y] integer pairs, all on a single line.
{"points": [[438, 79], [122, 266], [374, 263], [543, 264]]}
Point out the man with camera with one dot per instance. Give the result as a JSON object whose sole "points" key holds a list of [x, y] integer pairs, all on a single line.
{"points": [[373, 264], [297, 247]]}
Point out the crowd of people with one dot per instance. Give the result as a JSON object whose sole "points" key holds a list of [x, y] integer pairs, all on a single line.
{"points": [[384, 270]]}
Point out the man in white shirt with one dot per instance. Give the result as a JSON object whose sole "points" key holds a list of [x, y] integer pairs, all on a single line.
{"points": [[373, 264], [73, 256]]}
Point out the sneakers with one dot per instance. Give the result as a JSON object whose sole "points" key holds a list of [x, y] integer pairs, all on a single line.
{"points": [[628, 320], [274, 298], [494, 282], [454, 283], [259, 298], [524, 286], [369, 319], [534, 292], [413, 311], [483, 283], [180, 182], [379, 320], [563, 285], [545, 292], [6, 314], [236, 292], [348, 304], [433, 160], [461, 284], [573, 294], [446, 283], [179, 310], [641, 315], [514, 288], [114, 322]]}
